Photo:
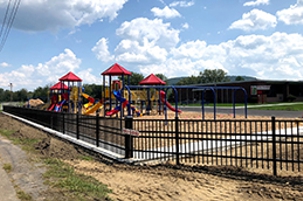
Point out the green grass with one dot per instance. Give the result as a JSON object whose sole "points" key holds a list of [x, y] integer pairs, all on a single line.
{"points": [[86, 158], [27, 143], [82, 187], [6, 133], [269, 106], [23, 196], [60, 175], [218, 104], [7, 167], [294, 107]]}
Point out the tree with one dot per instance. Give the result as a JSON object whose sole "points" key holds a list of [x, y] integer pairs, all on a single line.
{"points": [[21, 95], [239, 78], [93, 90], [213, 76], [42, 93], [135, 78], [188, 80], [162, 77]]}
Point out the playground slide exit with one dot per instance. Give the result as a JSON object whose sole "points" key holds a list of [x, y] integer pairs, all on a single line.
{"points": [[91, 100], [94, 108], [162, 98], [122, 101]]}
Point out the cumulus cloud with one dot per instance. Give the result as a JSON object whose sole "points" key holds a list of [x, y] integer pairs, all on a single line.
{"points": [[4, 64], [101, 50], [40, 15], [292, 15], [266, 57], [154, 31], [277, 56], [166, 12], [182, 3], [255, 20], [256, 3], [145, 41], [49, 72], [185, 26], [152, 46]]}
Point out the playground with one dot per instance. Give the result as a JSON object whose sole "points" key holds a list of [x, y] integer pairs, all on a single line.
{"points": [[151, 98]]}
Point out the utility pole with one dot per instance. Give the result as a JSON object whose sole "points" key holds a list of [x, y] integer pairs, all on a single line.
{"points": [[11, 90]]}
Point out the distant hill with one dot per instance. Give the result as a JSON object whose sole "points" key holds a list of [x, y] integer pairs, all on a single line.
{"points": [[232, 78], [174, 80]]}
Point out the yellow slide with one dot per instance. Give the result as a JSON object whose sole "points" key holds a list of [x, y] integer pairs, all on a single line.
{"points": [[94, 108]]}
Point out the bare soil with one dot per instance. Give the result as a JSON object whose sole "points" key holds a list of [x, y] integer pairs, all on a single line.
{"points": [[128, 182]]}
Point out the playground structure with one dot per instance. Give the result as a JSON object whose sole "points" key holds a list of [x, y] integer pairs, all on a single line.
{"points": [[150, 96], [58, 94]]}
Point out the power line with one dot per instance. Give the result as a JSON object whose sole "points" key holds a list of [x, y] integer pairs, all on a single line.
{"points": [[5, 16], [8, 23]]}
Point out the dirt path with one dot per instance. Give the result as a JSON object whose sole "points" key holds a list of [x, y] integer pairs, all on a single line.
{"points": [[25, 176], [134, 183]]}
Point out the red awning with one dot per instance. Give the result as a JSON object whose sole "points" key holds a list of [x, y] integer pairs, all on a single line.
{"points": [[152, 80], [116, 69], [70, 77], [59, 86]]}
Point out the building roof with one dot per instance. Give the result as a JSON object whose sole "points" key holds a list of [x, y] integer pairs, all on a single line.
{"points": [[70, 77], [116, 69], [152, 80], [59, 86]]}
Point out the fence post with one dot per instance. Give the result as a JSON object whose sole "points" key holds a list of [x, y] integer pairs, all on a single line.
{"points": [[97, 129], [128, 138], [63, 122], [51, 122], [77, 126], [274, 151], [177, 140]]}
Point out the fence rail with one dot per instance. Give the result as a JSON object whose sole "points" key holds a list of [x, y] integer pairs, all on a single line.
{"points": [[274, 144]]}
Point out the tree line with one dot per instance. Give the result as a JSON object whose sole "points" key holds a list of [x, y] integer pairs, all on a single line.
{"points": [[94, 90]]}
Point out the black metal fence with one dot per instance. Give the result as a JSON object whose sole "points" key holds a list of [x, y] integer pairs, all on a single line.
{"points": [[273, 144]]}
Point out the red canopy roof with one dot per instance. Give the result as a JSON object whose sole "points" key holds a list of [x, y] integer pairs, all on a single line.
{"points": [[70, 77], [59, 86], [152, 80], [116, 69]]}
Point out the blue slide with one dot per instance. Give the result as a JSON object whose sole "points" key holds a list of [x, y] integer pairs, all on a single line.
{"points": [[58, 106]]}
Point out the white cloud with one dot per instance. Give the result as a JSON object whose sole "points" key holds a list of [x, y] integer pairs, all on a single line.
{"points": [[4, 64], [89, 77], [145, 41], [292, 15], [182, 3], [278, 56], [40, 15], [101, 50], [155, 31], [255, 20], [166, 12], [256, 3], [133, 52], [192, 49], [151, 46], [185, 26], [31, 76]]}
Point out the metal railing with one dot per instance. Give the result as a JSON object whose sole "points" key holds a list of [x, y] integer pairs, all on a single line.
{"points": [[274, 144]]}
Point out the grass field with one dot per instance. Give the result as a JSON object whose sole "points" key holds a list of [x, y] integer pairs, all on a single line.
{"points": [[292, 106]]}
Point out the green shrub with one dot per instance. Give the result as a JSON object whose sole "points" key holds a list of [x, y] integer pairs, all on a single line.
{"points": [[291, 98]]}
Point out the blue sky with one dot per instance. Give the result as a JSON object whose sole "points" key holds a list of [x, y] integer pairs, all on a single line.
{"points": [[49, 38]]}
